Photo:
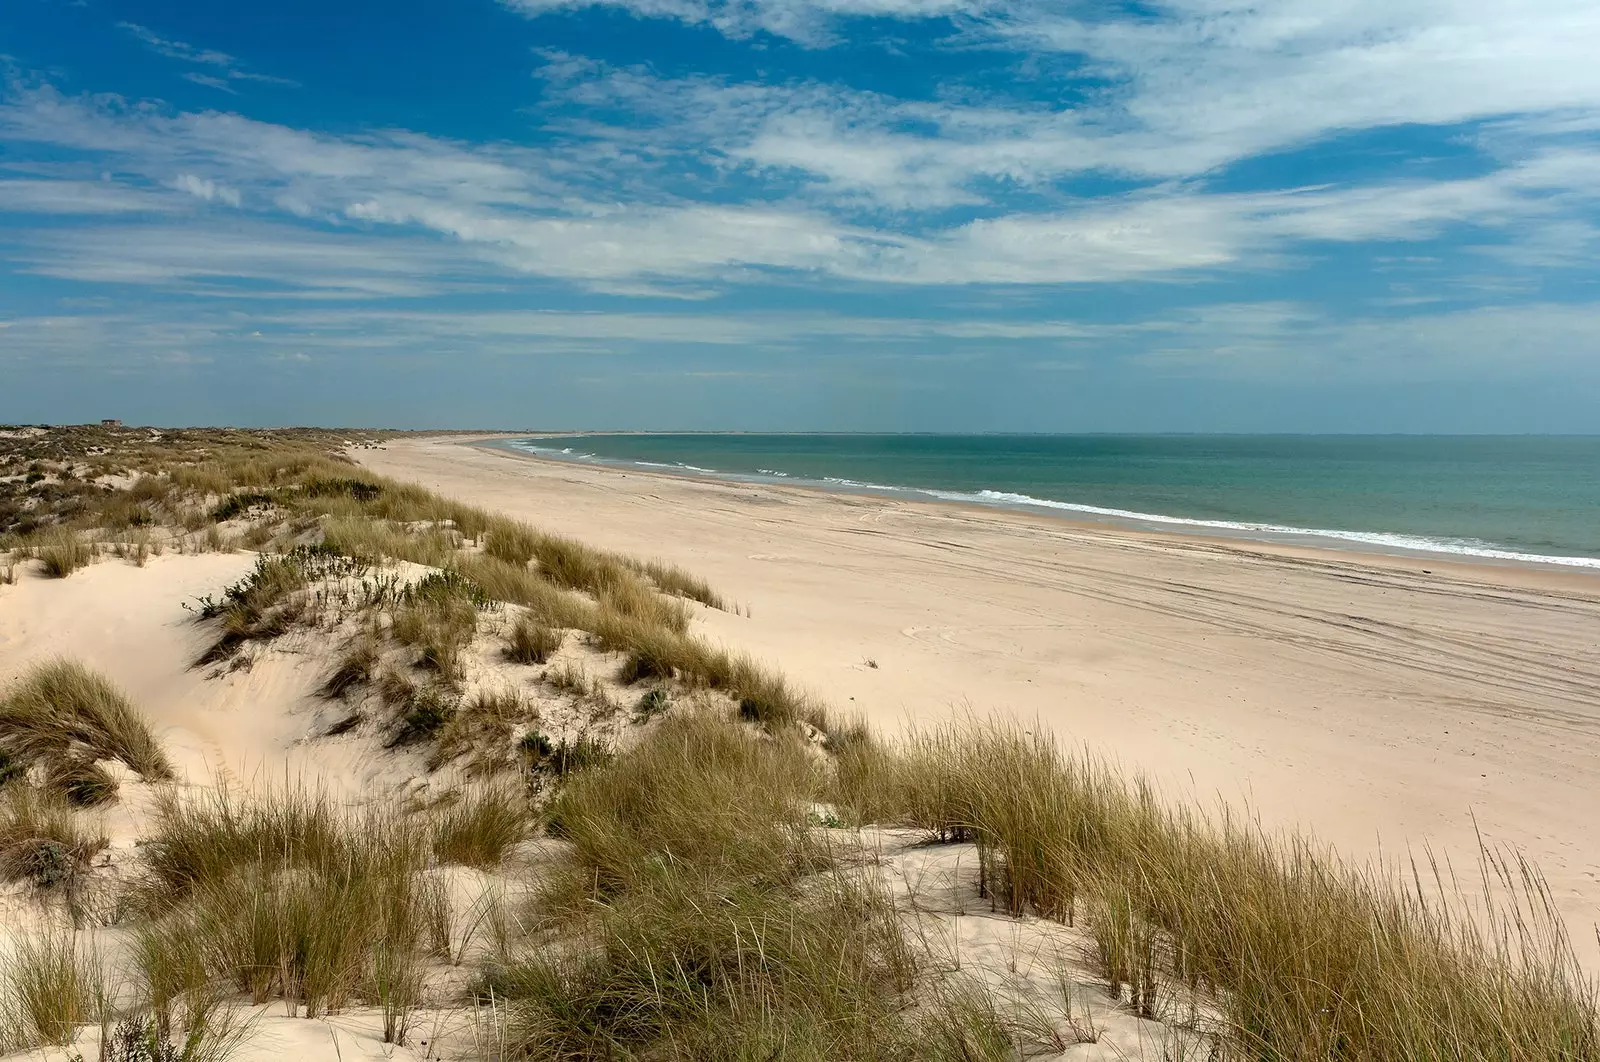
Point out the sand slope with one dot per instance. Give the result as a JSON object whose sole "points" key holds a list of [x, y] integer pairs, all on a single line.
{"points": [[1377, 702]]}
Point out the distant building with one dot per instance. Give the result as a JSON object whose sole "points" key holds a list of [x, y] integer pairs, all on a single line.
{"points": [[111, 422]]}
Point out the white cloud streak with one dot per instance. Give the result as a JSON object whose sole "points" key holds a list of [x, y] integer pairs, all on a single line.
{"points": [[224, 67]]}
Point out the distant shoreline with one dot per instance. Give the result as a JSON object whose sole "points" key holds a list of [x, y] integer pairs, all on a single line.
{"points": [[1276, 538]]}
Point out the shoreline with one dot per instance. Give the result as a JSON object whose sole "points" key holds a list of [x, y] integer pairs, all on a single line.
{"points": [[1580, 577], [1377, 701]]}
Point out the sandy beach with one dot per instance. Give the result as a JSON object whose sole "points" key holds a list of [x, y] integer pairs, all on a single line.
{"points": [[1383, 703]]}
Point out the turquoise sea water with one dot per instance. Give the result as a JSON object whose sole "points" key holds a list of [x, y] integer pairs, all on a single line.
{"points": [[1527, 498]]}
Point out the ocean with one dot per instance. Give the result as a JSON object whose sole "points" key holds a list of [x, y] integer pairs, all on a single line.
{"points": [[1512, 498]]}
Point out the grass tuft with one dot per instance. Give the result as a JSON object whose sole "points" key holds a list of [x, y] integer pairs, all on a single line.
{"points": [[531, 642], [56, 985], [61, 552], [439, 617], [61, 709], [480, 825], [284, 895], [42, 841], [1303, 956]]}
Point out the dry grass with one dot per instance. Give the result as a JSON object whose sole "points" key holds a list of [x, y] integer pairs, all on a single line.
{"points": [[284, 895], [483, 729], [1303, 956], [698, 791], [439, 617], [60, 552], [42, 841], [61, 710], [479, 825], [55, 986], [373, 540], [670, 579], [713, 926], [531, 642], [357, 666]]}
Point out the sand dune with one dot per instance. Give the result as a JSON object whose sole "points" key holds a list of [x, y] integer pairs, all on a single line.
{"points": [[1382, 702]]}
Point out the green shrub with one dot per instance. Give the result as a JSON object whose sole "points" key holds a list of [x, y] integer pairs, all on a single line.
{"points": [[424, 714]]}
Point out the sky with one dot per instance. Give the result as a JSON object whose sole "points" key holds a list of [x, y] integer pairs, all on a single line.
{"points": [[898, 215]]}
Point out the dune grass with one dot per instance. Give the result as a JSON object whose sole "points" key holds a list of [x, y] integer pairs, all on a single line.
{"points": [[61, 709], [438, 617], [710, 922], [479, 825], [1303, 955], [530, 642], [283, 894], [715, 925], [54, 985], [42, 841], [61, 551]]}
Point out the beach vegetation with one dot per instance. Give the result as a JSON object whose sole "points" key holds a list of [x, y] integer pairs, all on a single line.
{"points": [[61, 551], [478, 825], [60, 710], [1302, 955], [531, 642], [282, 894], [43, 841], [55, 985]]}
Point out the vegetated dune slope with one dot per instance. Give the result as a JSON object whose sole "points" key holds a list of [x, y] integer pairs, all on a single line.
{"points": [[1380, 702]]}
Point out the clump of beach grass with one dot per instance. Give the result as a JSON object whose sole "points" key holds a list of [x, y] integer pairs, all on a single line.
{"points": [[55, 985], [61, 551], [1301, 954], [60, 708], [715, 924], [357, 666], [483, 727], [283, 894], [477, 826], [531, 642], [42, 840], [439, 617]]}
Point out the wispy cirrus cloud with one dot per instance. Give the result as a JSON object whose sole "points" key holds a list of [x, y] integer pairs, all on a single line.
{"points": [[533, 212], [223, 68], [808, 22], [1145, 184]]}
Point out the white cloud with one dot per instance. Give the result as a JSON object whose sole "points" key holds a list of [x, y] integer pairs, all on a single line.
{"points": [[74, 197], [808, 22], [1180, 92], [520, 211], [210, 191], [805, 182], [224, 66], [245, 261]]}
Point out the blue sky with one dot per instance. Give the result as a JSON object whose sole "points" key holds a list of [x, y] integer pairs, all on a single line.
{"points": [[1179, 215]]}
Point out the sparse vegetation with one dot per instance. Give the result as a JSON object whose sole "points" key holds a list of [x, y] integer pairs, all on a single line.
{"points": [[438, 617], [61, 552]]}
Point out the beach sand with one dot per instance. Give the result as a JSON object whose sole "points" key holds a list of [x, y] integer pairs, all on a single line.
{"points": [[1385, 704]]}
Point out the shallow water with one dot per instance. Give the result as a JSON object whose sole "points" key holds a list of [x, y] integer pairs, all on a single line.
{"points": [[1521, 498]]}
